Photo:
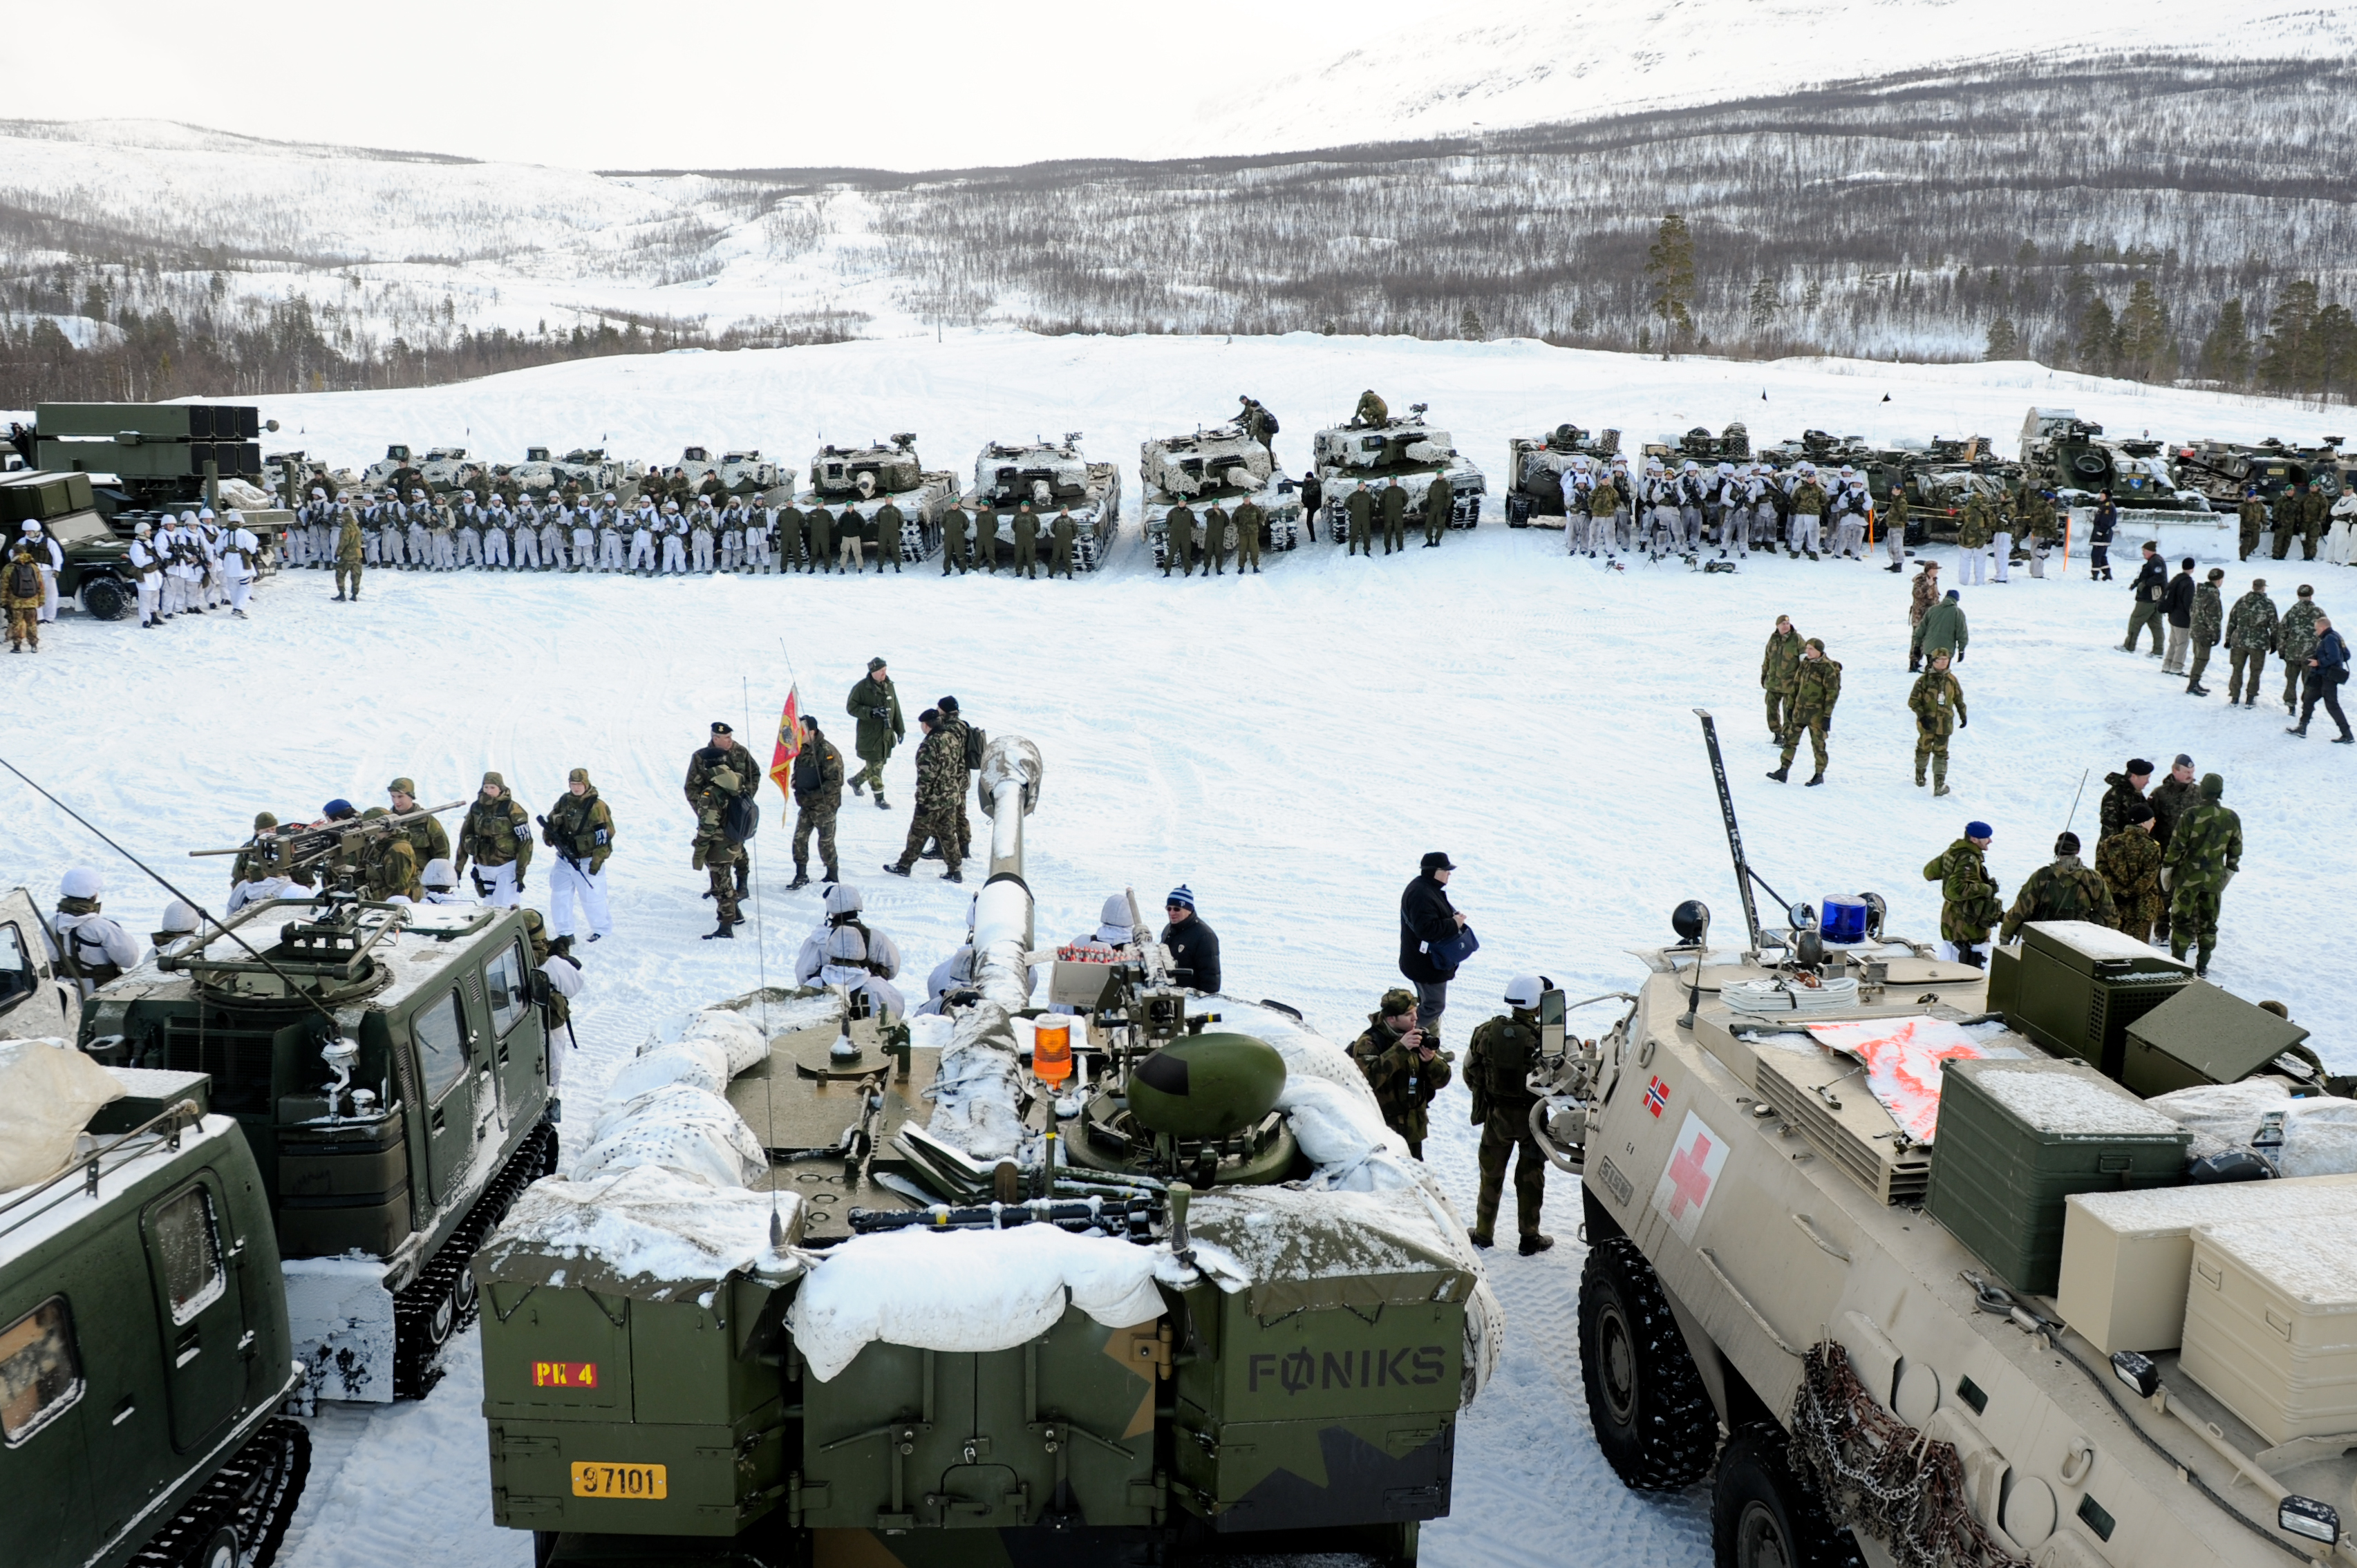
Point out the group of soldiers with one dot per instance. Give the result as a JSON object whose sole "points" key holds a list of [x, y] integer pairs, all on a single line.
{"points": [[2299, 512], [1803, 684], [2315, 656], [2162, 864], [1658, 511]]}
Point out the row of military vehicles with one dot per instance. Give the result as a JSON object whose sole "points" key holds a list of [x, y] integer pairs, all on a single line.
{"points": [[1913, 1263]]}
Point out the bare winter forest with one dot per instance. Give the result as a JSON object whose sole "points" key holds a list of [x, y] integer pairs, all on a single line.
{"points": [[2139, 216]]}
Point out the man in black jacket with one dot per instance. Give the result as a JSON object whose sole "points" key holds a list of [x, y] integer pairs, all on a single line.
{"points": [[1427, 920], [1194, 946], [2177, 605], [2150, 586]]}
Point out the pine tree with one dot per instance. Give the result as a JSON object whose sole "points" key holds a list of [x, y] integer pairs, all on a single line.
{"points": [[2099, 339], [2336, 350], [2289, 361], [2004, 342], [1766, 297], [1468, 325], [1670, 273], [2226, 351], [2144, 348]]}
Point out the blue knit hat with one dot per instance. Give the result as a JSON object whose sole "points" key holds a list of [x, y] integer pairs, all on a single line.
{"points": [[1180, 895], [1954, 595], [1979, 830], [336, 809]]}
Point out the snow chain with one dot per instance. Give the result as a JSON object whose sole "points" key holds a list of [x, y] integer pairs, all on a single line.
{"points": [[1881, 1476]]}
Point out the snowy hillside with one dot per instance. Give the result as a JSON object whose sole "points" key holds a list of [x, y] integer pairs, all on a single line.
{"points": [[1288, 744]]}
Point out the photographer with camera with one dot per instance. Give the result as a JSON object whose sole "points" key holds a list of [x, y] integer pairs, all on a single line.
{"points": [[1405, 1067]]}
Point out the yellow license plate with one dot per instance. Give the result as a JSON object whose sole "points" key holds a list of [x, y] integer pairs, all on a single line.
{"points": [[634, 1483]]}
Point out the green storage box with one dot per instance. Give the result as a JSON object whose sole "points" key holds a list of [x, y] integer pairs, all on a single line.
{"points": [[2016, 1138], [2078, 986], [2201, 1035]]}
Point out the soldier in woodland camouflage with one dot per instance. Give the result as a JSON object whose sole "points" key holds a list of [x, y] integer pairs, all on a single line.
{"points": [[818, 798], [2252, 516], [715, 853], [1968, 893], [2295, 639], [2065, 889], [1779, 667], [940, 780], [2250, 637], [2129, 863], [1938, 704], [1498, 1065], [1816, 687], [2208, 626], [1404, 1068], [2204, 852]]}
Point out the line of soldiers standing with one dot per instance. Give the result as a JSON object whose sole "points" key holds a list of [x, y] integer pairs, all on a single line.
{"points": [[2301, 512], [1664, 511], [1366, 512], [970, 540]]}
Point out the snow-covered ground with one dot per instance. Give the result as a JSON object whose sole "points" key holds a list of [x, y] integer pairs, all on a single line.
{"points": [[1286, 745]]}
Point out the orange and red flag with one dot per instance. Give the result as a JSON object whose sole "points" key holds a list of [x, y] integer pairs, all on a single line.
{"points": [[789, 743]]}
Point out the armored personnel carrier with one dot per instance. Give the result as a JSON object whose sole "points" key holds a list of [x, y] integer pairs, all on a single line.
{"points": [[1921, 1264], [446, 469], [143, 1345], [740, 473], [1535, 467], [389, 1065], [394, 471], [858, 480], [1410, 449], [2060, 449], [1222, 466], [1051, 475], [1143, 1279]]}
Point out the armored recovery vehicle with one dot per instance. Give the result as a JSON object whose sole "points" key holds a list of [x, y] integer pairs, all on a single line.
{"points": [[1910, 1260], [1222, 466], [1535, 465], [1051, 475], [388, 1063], [1409, 450], [144, 1344], [858, 480], [1119, 1283]]}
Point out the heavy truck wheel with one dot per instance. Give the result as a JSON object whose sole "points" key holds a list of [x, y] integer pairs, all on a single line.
{"points": [[1762, 1517], [1653, 1418], [105, 598]]}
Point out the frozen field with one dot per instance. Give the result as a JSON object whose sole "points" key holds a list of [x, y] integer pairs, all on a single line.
{"points": [[1287, 745]]}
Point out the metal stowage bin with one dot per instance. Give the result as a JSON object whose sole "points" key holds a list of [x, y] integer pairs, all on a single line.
{"points": [[2271, 1324]]}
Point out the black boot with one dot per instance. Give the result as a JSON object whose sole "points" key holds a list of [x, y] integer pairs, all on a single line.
{"points": [[1816, 778], [1535, 1243], [1782, 774], [1968, 953], [896, 868], [726, 933], [802, 878]]}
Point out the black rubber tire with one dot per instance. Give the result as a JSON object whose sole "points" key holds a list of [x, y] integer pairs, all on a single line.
{"points": [[1762, 1517], [217, 1550], [1652, 1414], [106, 598]]}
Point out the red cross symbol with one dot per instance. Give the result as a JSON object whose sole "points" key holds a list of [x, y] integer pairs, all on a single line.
{"points": [[1689, 1175]]}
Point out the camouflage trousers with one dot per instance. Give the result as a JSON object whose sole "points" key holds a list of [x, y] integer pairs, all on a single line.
{"points": [[1780, 713], [349, 571], [25, 625], [1506, 1131], [1931, 745], [721, 860], [2193, 921], [871, 773], [821, 822], [2250, 660], [1816, 725], [935, 823]]}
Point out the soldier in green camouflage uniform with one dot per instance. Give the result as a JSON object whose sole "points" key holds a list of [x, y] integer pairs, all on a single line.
{"points": [[2250, 638], [1249, 520], [427, 835], [1405, 1068], [2203, 854], [2295, 639], [1938, 705], [724, 751], [1815, 689], [1968, 900], [2130, 863], [969, 744], [818, 797], [388, 865], [954, 523], [715, 855], [1777, 669], [2171, 799], [2065, 889], [2208, 626], [1178, 549], [1440, 503], [876, 706], [497, 833], [2252, 515], [1359, 508], [254, 862], [1497, 1069], [940, 780]]}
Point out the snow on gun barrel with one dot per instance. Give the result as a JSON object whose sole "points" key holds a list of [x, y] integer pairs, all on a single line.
{"points": [[1207, 1235]]}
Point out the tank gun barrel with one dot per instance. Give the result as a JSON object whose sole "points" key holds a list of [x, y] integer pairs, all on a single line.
{"points": [[1008, 787]]}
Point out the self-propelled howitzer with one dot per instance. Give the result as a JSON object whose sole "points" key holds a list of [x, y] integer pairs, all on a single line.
{"points": [[828, 1286]]}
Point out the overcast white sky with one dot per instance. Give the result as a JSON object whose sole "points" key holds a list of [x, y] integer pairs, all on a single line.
{"points": [[701, 84]]}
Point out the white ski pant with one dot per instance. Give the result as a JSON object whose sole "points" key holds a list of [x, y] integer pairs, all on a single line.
{"points": [[702, 552], [48, 611], [372, 548], [574, 883], [1764, 524], [1689, 535], [583, 549], [1804, 532], [675, 555], [495, 884], [420, 543], [609, 552], [151, 597], [2038, 549], [1894, 539], [1575, 532], [2002, 546], [240, 590], [175, 594], [445, 552], [495, 548], [643, 551], [732, 552], [757, 551], [1849, 537], [1972, 568], [527, 548]]}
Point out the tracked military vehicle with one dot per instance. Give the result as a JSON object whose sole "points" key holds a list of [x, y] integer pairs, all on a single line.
{"points": [[860, 479], [1924, 1265], [1142, 1280], [1222, 466], [2223, 470], [1535, 465], [389, 1065], [2060, 449], [1408, 449], [144, 1344], [740, 473], [1049, 475]]}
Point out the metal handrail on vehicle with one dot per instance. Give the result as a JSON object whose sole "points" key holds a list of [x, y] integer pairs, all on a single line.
{"points": [[181, 1115]]}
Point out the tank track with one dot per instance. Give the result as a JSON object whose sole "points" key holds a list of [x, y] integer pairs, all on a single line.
{"points": [[415, 1357], [254, 1494]]}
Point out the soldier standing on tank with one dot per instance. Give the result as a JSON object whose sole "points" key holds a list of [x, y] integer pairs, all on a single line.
{"points": [[1968, 893], [2129, 863], [1359, 508], [348, 555], [1178, 536], [2204, 852], [1497, 1068], [1027, 541], [1938, 704], [497, 836], [2208, 626], [2251, 519], [1440, 505], [1779, 667], [2250, 637], [954, 523], [1258, 423], [717, 854], [818, 798], [1393, 502], [1403, 1069], [2065, 889], [1062, 533], [941, 776], [876, 706], [1816, 687], [888, 524]]}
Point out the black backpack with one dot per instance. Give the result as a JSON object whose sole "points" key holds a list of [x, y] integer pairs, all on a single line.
{"points": [[741, 819], [974, 742], [23, 580]]}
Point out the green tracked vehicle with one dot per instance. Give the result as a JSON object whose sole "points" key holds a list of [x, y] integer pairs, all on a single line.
{"points": [[143, 1346], [388, 1064], [830, 1288]]}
